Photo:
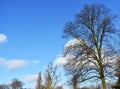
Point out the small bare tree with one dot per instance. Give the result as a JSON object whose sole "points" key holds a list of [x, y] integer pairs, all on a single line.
{"points": [[16, 84], [73, 81], [48, 83], [39, 82], [52, 78], [95, 30]]}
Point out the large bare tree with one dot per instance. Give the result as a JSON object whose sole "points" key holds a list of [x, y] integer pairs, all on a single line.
{"points": [[95, 31]]}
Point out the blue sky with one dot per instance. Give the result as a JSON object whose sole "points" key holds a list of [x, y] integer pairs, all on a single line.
{"points": [[31, 33]]}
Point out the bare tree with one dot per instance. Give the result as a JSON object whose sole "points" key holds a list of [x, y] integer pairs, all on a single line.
{"points": [[16, 84], [52, 78], [93, 56], [39, 82], [48, 84], [73, 81]]}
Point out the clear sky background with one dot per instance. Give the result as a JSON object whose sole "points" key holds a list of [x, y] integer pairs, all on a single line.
{"points": [[31, 34]]}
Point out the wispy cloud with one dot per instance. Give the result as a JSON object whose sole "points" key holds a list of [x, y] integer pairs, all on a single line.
{"points": [[15, 64], [3, 38], [30, 77], [34, 62]]}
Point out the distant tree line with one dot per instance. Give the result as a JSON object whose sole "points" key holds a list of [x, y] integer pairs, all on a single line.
{"points": [[15, 84]]}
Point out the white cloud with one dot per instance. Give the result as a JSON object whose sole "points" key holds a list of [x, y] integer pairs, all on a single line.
{"points": [[35, 62], [60, 61], [29, 80], [15, 64], [3, 38], [72, 42], [30, 77]]}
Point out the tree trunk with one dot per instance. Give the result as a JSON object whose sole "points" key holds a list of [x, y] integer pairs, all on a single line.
{"points": [[102, 77], [74, 87], [75, 81], [103, 82]]}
